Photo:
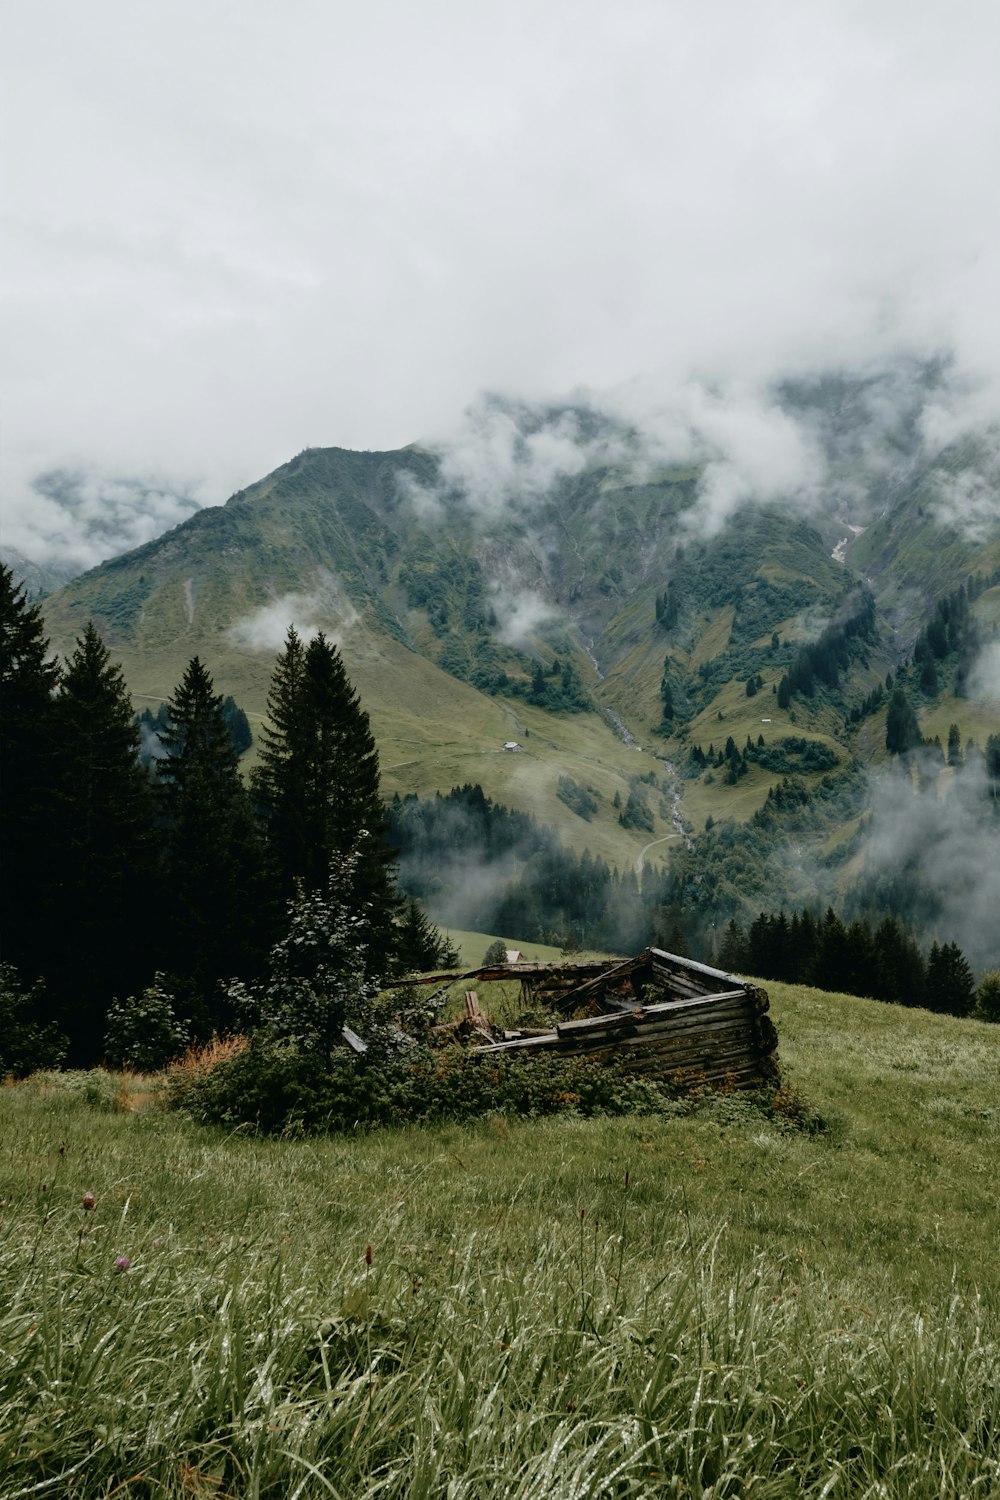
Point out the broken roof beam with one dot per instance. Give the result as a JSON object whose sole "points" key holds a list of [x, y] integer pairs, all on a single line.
{"points": [[491, 972]]}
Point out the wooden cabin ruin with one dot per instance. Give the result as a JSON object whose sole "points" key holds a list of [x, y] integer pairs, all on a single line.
{"points": [[657, 1015]]}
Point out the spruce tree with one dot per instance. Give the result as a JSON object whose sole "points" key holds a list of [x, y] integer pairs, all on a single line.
{"points": [[833, 965], [899, 972], [317, 785], [902, 732], [102, 880], [214, 923], [420, 945], [28, 832], [951, 988], [734, 952]]}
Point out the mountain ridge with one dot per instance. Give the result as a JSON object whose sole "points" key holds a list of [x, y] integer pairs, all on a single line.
{"points": [[582, 618]]}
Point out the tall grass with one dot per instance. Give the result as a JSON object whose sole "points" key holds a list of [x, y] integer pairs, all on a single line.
{"points": [[709, 1307]]}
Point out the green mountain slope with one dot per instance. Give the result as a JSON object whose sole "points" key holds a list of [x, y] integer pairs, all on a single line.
{"points": [[582, 619]]}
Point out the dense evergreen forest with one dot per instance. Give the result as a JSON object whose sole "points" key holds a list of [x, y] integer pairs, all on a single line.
{"points": [[121, 877]]}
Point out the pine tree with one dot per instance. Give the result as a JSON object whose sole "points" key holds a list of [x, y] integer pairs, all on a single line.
{"points": [[102, 887], [902, 732], [667, 694], [212, 858], [28, 834], [833, 966], [734, 952], [239, 724], [951, 988], [318, 781], [420, 945], [899, 972]]}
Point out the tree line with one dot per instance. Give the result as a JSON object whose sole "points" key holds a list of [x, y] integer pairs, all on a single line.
{"points": [[114, 871], [882, 962]]}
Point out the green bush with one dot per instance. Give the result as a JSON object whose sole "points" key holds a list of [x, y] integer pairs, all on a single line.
{"points": [[142, 1031], [28, 1042], [988, 997], [280, 1090]]}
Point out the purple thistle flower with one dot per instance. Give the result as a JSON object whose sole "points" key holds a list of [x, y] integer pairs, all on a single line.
{"points": [[122, 1263], [88, 1202]]}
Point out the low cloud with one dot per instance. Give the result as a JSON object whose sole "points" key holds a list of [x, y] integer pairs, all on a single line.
{"points": [[983, 684], [969, 501], [756, 452], [326, 608], [520, 613], [939, 852], [506, 457], [79, 518]]}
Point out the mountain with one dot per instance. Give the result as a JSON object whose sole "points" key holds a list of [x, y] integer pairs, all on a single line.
{"points": [[553, 583], [37, 579]]}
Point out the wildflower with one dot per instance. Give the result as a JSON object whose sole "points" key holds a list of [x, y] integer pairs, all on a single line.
{"points": [[122, 1263], [368, 1255], [88, 1202]]}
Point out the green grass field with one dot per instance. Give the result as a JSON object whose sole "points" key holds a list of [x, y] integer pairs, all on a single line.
{"points": [[708, 1305]]}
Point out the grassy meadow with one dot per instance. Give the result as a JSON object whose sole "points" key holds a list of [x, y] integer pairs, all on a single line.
{"points": [[707, 1305]]}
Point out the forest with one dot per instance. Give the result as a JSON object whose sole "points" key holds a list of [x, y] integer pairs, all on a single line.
{"points": [[129, 875]]}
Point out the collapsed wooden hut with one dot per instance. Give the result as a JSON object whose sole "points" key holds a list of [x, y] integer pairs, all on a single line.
{"points": [[657, 1015]]}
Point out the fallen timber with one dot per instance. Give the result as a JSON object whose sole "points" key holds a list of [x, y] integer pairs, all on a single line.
{"points": [[656, 1015]]}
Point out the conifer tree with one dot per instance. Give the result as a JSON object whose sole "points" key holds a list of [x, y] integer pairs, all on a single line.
{"points": [[899, 972], [902, 732], [318, 781], [101, 889], [734, 952], [28, 836], [833, 965], [420, 945], [212, 856], [951, 988]]}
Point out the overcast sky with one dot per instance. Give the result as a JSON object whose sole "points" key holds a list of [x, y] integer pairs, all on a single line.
{"points": [[234, 229]]}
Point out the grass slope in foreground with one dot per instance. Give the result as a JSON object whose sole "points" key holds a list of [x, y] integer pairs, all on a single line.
{"points": [[749, 1312]]}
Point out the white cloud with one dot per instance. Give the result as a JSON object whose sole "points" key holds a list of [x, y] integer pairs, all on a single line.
{"points": [[77, 518], [944, 850], [326, 608], [969, 500], [234, 232], [984, 680], [520, 613]]}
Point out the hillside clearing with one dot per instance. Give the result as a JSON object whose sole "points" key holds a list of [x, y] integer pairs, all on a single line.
{"points": [[704, 1305]]}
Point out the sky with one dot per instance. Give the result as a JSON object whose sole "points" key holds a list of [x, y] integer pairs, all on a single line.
{"points": [[235, 230]]}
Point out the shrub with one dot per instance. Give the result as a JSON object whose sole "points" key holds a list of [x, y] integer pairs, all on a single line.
{"points": [[317, 982], [988, 997], [280, 1090], [143, 1032], [27, 1041]]}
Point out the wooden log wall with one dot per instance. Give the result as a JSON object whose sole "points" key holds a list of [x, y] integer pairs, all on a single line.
{"points": [[712, 1029], [722, 1040]]}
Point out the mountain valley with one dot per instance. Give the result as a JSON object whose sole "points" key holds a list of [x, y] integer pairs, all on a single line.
{"points": [[558, 585]]}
